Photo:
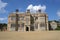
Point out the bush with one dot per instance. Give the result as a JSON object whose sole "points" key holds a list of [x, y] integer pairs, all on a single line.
{"points": [[58, 28]]}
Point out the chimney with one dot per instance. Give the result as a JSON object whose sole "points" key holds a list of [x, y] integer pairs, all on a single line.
{"points": [[39, 10], [16, 28], [28, 10], [17, 10]]}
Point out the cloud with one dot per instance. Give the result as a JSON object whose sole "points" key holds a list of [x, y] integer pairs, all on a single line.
{"points": [[2, 7], [36, 8], [2, 19], [58, 13]]}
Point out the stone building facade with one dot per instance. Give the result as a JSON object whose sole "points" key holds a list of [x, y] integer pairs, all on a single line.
{"points": [[27, 21]]}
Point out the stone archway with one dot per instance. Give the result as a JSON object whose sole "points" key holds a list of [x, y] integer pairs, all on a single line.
{"points": [[27, 28]]}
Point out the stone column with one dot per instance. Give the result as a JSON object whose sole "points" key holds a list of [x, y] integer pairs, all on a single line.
{"points": [[38, 27], [8, 28], [34, 26], [34, 22], [24, 28], [29, 28], [47, 24]]}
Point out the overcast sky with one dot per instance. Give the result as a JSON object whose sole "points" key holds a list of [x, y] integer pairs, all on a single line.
{"points": [[51, 7]]}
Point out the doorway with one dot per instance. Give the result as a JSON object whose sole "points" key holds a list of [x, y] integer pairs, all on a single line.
{"points": [[27, 28]]}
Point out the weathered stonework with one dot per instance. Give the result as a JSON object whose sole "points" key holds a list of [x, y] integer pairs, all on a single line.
{"points": [[28, 21]]}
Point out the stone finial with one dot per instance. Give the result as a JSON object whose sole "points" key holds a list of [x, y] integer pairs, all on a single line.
{"points": [[17, 10], [28, 10]]}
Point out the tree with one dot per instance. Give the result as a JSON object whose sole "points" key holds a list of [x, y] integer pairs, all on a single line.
{"points": [[3, 26]]}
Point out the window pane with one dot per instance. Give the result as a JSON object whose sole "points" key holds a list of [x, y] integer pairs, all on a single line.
{"points": [[13, 27], [21, 18], [13, 18], [27, 20], [42, 25], [36, 26], [42, 19]]}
